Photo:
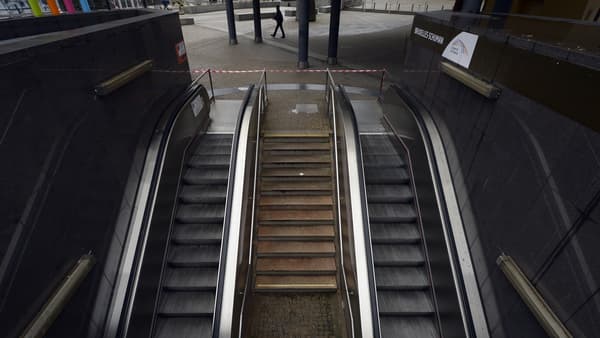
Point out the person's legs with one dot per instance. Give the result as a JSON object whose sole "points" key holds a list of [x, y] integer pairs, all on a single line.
{"points": [[276, 28], [282, 31]]}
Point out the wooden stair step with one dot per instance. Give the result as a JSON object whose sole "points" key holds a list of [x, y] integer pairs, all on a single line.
{"points": [[296, 186], [295, 248], [295, 283], [269, 158], [295, 265], [295, 215], [288, 134], [296, 172], [296, 200], [296, 146], [296, 232]]}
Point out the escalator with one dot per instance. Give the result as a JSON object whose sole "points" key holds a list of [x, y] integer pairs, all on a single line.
{"points": [[406, 304], [187, 291]]}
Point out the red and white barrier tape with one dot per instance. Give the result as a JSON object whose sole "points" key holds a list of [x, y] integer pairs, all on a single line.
{"points": [[240, 71]]}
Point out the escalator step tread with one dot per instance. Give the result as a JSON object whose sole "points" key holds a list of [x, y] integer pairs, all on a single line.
{"points": [[273, 283], [386, 175], [206, 193], [296, 232], [206, 176], [296, 200], [383, 161], [209, 161], [401, 278], [378, 145], [395, 233], [191, 279], [213, 149], [270, 215], [194, 255], [284, 186], [216, 139], [397, 255], [386, 193], [199, 327], [408, 327], [186, 303], [197, 233], [200, 213], [407, 303], [391, 213]]}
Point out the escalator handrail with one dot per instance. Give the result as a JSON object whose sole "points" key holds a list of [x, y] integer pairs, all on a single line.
{"points": [[227, 215], [121, 303], [470, 300], [330, 90], [261, 101], [351, 122]]}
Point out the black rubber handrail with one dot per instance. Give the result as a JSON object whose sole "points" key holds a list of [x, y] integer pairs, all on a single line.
{"points": [[346, 105], [175, 107], [227, 216]]}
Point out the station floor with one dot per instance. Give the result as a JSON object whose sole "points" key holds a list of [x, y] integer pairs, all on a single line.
{"points": [[367, 41]]}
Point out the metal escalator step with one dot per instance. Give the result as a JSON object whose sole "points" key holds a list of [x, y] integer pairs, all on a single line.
{"points": [[295, 265], [283, 283], [297, 172], [408, 327], [216, 139], [378, 145], [391, 213], [386, 175], [191, 279], [295, 248], [211, 193], [197, 233], [297, 145], [284, 186], [295, 215], [389, 193], [200, 213], [209, 161], [296, 232], [186, 303], [401, 278], [198, 327], [383, 161], [206, 176], [406, 303], [296, 200], [194, 255], [308, 158], [382, 233], [397, 255], [210, 149]]}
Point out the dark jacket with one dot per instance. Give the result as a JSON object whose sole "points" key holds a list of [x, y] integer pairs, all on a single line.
{"points": [[278, 16]]}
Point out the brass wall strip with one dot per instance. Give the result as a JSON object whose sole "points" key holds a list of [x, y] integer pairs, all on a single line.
{"points": [[542, 311], [123, 78]]}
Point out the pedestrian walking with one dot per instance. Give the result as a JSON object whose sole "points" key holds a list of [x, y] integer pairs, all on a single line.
{"points": [[165, 4], [279, 19]]}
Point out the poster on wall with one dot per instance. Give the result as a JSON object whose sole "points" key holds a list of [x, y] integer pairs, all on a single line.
{"points": [[460, 50]]}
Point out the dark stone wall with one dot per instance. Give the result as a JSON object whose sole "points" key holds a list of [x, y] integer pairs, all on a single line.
{"points": [[68, 156], [528, 182]]}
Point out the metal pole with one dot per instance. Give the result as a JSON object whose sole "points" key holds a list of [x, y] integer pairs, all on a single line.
{"points": [[257, 23], [212, 88], [334, 31], [231, 22], [302, 15]]}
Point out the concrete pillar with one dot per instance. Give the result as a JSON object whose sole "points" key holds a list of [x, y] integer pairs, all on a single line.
{"points": [[257, 23], [334, 31], [231, 22], [302, 16]]}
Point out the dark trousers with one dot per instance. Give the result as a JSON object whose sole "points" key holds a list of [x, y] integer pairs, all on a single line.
{"points": [[279, 25]]}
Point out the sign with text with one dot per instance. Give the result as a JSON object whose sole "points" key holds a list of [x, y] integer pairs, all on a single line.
{"points": [[460, 50]]}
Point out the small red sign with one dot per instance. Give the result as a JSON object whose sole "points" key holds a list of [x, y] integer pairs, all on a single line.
{"points": [[180, 51]]}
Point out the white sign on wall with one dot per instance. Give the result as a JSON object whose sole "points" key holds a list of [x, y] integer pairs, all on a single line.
{"points": [[460, 50]]}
